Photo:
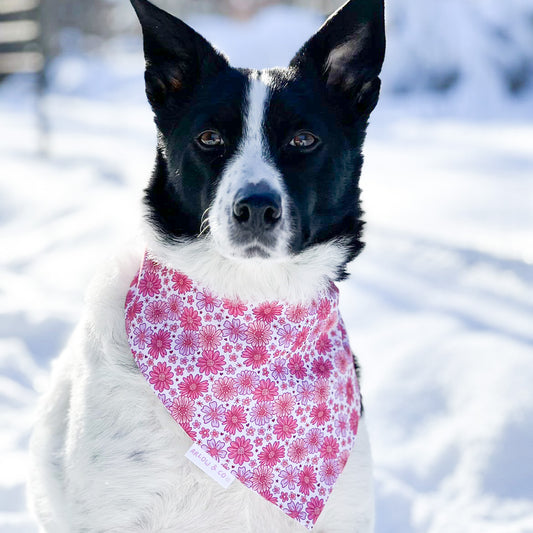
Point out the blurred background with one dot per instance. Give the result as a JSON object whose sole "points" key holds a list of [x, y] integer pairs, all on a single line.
{"points": [[439, 306]]}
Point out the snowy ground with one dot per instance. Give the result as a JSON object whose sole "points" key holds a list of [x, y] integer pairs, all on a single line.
{"points": [[439, 306]]}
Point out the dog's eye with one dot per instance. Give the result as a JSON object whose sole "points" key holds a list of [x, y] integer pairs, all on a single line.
{"points": [[210, 138], [304, 139]]}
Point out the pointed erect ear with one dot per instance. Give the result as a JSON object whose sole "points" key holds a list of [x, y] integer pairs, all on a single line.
{"points": [[347, 53], [177, 57]]}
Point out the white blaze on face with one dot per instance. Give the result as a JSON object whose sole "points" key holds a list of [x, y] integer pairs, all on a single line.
{"points": [[249, 165]]}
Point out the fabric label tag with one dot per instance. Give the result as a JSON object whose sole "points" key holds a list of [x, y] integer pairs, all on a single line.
{"points": [[210, 466]]}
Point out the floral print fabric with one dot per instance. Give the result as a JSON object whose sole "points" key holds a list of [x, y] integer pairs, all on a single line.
{"points": [[268, 389]]}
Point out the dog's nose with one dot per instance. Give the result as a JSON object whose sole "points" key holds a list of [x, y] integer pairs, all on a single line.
{"points": [[257, 208]]}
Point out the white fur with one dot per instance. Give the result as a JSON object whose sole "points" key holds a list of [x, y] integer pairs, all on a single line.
{"points": [[107, 456], [249, 165]]}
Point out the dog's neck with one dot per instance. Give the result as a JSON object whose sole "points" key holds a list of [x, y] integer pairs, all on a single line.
{"points": [[294, 279]]}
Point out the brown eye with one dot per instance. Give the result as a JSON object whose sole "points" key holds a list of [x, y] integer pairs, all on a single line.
{"points": [[304, 139], [211, 138]]}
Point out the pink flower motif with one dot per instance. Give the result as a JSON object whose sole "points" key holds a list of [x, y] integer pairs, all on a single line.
{"points": [[216, 449], [329, 471], [156, 312], [190, 319], [286, 335], [269, 497], [182, 410], [314, 439], [340, 388], [255, 356], [297, 367], [175, 307], [133, 310], [354, 421], [262, 478], [323, 344], [278, 369], [240, 450], [210, 362], [324, 309], [289, 477], [234, 419], [261, 413], [349, 392], [142, 332], [307, 480], [265, 391], [320, 414], [131, 293], [285, 427], [329, 448], [314, 508], [297, 313], [159, 343], [341, 424], [187, 343], [296, 510], [150, 265], [225, 389], [343, 458], [247, 381], [322, 367], [209, 337], [214, 414], [188, 429], [149, 284], [161, 377], [206, 301], [271, 454], [342, 360], [235, 307], [258, 333], [181, 282], [331, 322], [321, 391], [193, 386], [283, 404], [244, 476], [268, 311], [297, 451], [235, 330], [305, 392], [300, 338]]}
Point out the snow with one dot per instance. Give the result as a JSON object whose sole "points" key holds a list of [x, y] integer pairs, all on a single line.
{"points": [[439, 306]]}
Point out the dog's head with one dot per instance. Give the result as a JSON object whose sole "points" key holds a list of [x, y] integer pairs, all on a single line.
{"points": [[261, 168]]}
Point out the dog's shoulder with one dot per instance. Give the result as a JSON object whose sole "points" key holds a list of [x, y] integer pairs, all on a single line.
{"points": [[103, 315]]}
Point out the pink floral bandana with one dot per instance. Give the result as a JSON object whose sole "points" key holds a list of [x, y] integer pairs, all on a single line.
{"points": [[269, 390]]}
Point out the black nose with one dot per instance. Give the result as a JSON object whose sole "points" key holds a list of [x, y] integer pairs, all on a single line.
{"points": [[257, 208]]}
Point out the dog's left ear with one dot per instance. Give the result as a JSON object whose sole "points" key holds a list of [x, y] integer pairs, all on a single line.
{"points": [[347, 53], [177, 57]]}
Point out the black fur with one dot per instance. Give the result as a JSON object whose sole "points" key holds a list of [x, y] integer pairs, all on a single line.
{"points": [[330, 88]]}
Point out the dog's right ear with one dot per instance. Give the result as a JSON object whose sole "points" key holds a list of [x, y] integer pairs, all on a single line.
{"points": [[177, 57]]}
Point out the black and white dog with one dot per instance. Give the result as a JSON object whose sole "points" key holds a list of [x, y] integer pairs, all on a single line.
{"points": [[255, 195]]}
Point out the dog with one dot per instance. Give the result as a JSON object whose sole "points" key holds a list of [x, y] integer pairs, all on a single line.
{"points": [[254, 198]]}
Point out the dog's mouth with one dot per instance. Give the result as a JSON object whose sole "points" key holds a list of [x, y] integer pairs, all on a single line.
{"points": [[250, 251], [257, 251]]}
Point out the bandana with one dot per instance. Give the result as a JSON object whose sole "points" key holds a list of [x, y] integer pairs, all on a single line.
{"points": [[269, 390]]}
